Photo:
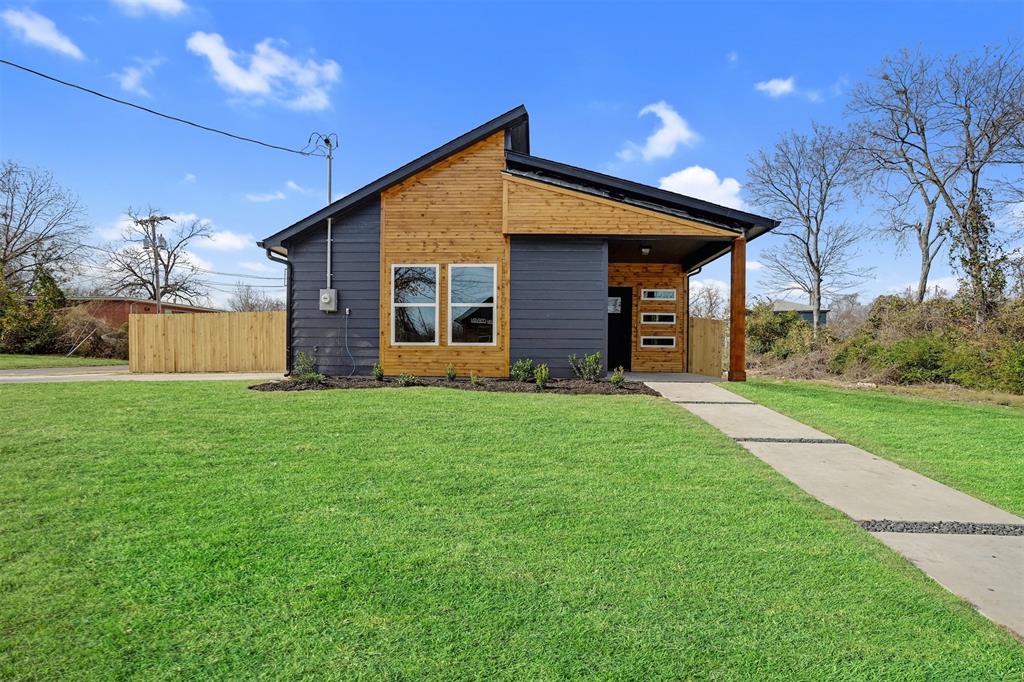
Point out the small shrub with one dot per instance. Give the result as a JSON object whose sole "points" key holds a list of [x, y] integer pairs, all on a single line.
{"points": [[917, 360], [474, 379], [449, 372], [378, 372], [541, 375], [765, 327], [618, 377], [799, 339], [522, 369], [305, 369], [587, 369], [405, 379]]}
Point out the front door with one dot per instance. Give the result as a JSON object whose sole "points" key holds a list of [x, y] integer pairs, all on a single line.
{"points": [[620, 327]]}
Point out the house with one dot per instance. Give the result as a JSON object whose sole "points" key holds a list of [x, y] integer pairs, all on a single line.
{"points": [[479, 253], [803, 311], [114, 310]]}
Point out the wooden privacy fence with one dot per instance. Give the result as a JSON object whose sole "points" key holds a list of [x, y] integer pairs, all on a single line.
{"points": [[707, 346], [207, 342]]}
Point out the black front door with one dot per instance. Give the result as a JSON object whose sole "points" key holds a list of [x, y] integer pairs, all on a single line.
{"points": [[620, 327]]}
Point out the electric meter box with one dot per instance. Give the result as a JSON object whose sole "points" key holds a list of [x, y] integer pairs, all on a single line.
{"points": [[329, 300]]}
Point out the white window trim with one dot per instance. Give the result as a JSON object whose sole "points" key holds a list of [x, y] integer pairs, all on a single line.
{"points": [[657, 347], [493, 305], [643, 321], [643, 295], [436, 304]]}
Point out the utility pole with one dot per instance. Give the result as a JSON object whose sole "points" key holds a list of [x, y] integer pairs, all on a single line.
{"points": [[153, 241]]}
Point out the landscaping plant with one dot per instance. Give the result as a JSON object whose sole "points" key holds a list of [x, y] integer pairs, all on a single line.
{"points": [[522, 369], [378, 372], [305, 369], [474, 378], [618, 377], [587, 369], [405, 379], [541, 375], [449, 372]]}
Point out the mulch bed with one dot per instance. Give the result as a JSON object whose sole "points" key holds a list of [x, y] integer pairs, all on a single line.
{"points": [[564, 386]]}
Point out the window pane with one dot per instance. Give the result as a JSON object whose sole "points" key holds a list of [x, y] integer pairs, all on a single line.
{"points": [[415, 325], [472, 284], [415, 285], [659, 294], [472, 324]]}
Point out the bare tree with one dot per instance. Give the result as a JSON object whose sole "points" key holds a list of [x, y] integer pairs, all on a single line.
{"points": [[803, 180], [146, 248], [707, 301], [945, 130], [899, 104], [41, 224], [247, 298]]}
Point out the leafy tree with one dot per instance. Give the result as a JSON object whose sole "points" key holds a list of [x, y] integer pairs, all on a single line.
{"points": [[977, 252]]}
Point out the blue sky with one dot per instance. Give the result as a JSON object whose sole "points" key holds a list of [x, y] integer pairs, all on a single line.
{"points": [[395, 80]]}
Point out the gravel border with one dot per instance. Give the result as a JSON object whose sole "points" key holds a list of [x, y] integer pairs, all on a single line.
{"points": [[942, 527], [820, 441]]}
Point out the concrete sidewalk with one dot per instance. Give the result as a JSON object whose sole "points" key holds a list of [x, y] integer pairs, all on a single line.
{"points": [[120, 373], [970, 547]]}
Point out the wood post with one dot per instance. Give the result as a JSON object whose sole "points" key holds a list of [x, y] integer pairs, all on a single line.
{"points": [[738, 312]]}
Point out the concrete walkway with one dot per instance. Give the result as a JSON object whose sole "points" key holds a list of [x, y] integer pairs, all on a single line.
{"points": [[970, 547], [119, 373]]}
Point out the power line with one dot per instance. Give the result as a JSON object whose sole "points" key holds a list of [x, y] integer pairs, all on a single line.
{"points": [[188, 265], [177, 119]]}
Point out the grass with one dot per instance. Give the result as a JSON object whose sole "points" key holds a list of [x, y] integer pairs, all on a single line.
{"points": [[197, 529], [972, 447], [19, 361]]}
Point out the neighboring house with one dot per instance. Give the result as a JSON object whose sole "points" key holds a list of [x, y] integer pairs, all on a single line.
{"points": [[114, 310], [477, 254], [803, 311]]}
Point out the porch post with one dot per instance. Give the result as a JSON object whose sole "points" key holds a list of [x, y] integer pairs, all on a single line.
{"points": [[738, 312]]}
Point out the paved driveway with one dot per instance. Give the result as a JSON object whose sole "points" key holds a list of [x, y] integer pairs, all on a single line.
{"points": [[120, 373]]}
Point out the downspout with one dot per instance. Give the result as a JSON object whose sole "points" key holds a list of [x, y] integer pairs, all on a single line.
{"points": [[287, 306]]}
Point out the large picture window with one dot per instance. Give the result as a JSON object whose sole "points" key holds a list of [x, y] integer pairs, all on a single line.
{"points": [[472, 291], [414, 304]]}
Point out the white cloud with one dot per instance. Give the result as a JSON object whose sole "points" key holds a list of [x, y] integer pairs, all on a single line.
{"points": [[258, 266], [814, 96], [270, 74], [777, 87], [704, 183], [190, 178], [755, 265], [266, 196], [197, 261], [662, 143], [226, 240], [35, 29], [167, 8], [130, 77], [296, 187], [732, 57]]}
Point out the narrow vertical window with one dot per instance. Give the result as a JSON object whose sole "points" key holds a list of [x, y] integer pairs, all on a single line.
{"points": [[472, 292], [414, 304]]}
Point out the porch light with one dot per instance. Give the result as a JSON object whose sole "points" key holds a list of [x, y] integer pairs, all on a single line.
{"points": [[645, 251]]}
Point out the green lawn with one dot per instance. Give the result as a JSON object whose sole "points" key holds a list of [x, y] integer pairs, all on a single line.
{"points": [[200, 530], [976, 448], [18, 361]]}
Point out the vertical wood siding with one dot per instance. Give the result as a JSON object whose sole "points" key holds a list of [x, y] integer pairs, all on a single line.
{"points": [[448, 213], [356, 275], [707, 346], [559, 299], [655, 276]]}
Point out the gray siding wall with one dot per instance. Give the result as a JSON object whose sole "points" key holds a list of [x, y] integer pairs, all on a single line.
{"points": [[559, 300], [356, 265]]}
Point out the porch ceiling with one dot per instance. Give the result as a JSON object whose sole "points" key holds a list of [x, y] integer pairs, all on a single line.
{"points": [[685, 251]]}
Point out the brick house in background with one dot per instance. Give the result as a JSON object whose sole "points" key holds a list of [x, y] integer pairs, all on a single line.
{"points": [[114, 310]]}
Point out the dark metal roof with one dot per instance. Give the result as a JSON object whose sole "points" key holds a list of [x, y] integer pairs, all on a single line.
{"points": [[638, 194], [516, 121]]}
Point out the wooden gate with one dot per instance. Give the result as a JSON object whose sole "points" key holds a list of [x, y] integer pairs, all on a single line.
{"points": [[207, 342], [707, 347]]}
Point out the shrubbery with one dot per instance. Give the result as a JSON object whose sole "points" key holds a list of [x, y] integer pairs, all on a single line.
{"points": [[902, 342], [589, 368]]}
